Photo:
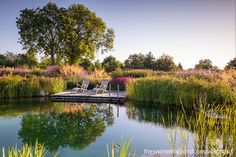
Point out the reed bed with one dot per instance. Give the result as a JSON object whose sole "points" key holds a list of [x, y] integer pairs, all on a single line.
{"points": [[17, 86], [177, 91]]}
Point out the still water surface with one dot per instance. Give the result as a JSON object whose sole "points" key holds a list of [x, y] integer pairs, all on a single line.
{"points": [[85, 130]]}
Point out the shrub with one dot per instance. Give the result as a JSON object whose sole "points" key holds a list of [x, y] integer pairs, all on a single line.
{"points": [[170, 90], [53, 70], [121, 81], [72, 72], [100, 74]]}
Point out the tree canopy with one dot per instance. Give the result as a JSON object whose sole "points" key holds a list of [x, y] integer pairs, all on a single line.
{"points": [[11, 59], [205, 64], [111, 64], [166, 63], [231, 64], [148, 61], [72, 33], [135, 61]]}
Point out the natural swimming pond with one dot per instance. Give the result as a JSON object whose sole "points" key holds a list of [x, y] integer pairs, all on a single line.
{"points": [[85, 130]]}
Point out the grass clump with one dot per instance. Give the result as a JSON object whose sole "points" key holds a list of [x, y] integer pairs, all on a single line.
{"points": [[38, 150], [171, 90], [17, 86]]}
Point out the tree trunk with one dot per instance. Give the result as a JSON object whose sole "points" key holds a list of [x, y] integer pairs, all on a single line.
{"points": [[53, 59]]}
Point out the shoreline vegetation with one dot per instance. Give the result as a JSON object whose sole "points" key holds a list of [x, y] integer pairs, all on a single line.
{"points": [[177, 91], [186, 87]]}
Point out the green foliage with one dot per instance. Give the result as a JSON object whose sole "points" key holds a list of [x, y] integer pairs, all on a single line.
{"points": [[131, 73], [9, 59], [28, 150], [137, 73], [180, 67], [111, 64], [76, 126], [123, 150], [166, 63], [4, 61], [83, 33], [87, 65], [170, 90], [149, 61], [212, 128], [204, 64], [135, 61], [231, 64], [17, 86], [140, 61], [98, 65], [76, 31], [39, 28]]}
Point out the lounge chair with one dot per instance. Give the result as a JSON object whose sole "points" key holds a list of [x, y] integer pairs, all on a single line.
{"points": [[83, 87], [101, 88]]}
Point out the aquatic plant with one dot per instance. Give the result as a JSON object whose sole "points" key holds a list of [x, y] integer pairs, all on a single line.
{"points": [[17, 86], [123, 150], [28, 150], [170, 90], [212, 129]]}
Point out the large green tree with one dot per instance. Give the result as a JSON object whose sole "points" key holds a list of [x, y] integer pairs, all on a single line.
{"points": [[11, 59], [231, 64], [135, 61], [149, 61], [111, 64], [40, 28], [166, 63], [205, 64], [70, 33], [84, 33]]}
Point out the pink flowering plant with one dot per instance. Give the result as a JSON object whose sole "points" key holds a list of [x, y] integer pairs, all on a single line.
{"points": [[121, 81]]}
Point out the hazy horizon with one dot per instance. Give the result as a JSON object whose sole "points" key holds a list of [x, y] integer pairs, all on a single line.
{"points": [[188, 30]]}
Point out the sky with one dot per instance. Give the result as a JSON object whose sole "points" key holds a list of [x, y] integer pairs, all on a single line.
{"points": [[187, 30]]}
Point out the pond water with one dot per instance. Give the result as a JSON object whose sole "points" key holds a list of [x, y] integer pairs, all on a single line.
{"points": [[85, 130]]}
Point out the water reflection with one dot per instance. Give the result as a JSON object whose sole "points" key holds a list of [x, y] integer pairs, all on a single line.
{"points": [[76, 126], [210, 133]]}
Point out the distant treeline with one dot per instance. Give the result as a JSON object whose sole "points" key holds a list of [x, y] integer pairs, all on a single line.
{"points": [[110, 63]]}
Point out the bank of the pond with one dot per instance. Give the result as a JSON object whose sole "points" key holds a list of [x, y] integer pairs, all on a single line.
{"points": [[171, 90], [17, 86]]}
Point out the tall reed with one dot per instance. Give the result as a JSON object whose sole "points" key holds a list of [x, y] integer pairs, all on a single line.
{"points": [[17, 86], [170, 90], [212, 129], [123, 150]]}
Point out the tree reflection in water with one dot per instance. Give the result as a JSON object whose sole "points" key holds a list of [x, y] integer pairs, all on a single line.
{"points": [[75, 126]]}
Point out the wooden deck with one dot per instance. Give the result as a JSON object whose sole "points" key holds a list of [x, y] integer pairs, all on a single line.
{"points": [[89, 96]]}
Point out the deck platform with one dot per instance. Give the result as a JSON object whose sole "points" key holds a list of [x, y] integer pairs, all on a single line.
{"points": [[89, 96]]}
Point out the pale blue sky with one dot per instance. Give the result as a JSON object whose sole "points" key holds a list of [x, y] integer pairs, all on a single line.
{"points": [[188, 30]]}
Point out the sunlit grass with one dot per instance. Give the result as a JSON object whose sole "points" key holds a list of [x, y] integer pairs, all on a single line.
{"points": [[38, 150], [177, 91]]}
